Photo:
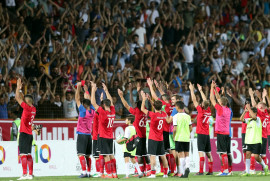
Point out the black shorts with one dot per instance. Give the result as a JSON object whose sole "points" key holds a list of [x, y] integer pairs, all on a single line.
{"points": [[166, 140], [181, 146], [25, 143], [156, 148], [141, 148], [264, 145], [84, 144], [223, 143], [126, 154], [268, 137], [106, 146], [244, 146], [203, 143], [95, 149], [254, 148]]}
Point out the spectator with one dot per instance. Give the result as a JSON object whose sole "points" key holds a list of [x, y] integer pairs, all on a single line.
{"points": [[3, 107], [69, 105]]}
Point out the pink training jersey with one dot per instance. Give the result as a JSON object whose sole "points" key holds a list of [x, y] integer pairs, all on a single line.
{"points": [[85, 120], [223, 116]]}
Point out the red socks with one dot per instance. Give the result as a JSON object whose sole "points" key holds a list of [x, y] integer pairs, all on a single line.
{"points": [[225, 161], [165, 171], [201, 164], [83, 162], [24, 164], [230, 168], [252, 163], [210, 164], [172, 161], [244, 155], [108, 167], [161, 166], [89, 162], [153, 172], [97, 165], [142, 167], [30, 164], [113, 162], [169, 160], [148, 167], [101, 163]]}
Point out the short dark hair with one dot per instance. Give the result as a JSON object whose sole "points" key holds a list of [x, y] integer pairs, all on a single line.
{"points": [[131, 118], [180, 104], [139, 104], [254, 109], [177, 97], [106, 102], [28, 96], [158, 105], [166, 96], [86, 102]]}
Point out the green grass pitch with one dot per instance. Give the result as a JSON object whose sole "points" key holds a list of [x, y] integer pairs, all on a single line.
{"points": [[235, 177]]}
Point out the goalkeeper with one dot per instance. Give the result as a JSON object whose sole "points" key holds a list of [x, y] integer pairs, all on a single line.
{"points": [[129, 132]]}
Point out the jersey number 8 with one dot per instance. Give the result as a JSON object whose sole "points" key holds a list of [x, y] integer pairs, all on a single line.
{"points": [[160, 123]]}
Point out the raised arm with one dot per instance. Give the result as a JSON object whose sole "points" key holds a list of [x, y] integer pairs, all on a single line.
{"points": [[243, 115], [201, 92], [153, 93], [93, 98], [86, 92], [217, 96], [159, 88], [264, 95], [251, 94], [251, 113], [120, 93], [108, 95], [193, 97], [18, 97], [212, 96], [77, 94], [145, 111]]}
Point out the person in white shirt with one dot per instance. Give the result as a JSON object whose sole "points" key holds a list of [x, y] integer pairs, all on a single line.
{"points": [[141, 32], [188, 52], [152, 14], [217, 61], [69, 105]]}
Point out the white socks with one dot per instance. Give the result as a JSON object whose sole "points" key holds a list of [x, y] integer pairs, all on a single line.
{"points": [[138, 168], [247, 165], [182, 165], [262, 164], [127, 169], [187, 162]]}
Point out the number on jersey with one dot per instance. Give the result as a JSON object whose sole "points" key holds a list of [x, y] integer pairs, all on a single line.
{"points": [[141, 123], [110, 123], [160, 123], [32, 119]]}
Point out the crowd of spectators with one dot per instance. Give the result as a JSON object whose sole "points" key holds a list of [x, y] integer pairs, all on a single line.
{"points": [[52, 44]]}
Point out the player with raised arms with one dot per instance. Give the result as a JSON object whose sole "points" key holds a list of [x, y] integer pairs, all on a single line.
{"points": [[84, 130], [222, 128], [26, 137], [140, 126], [263, 114], [166, 126], [106, 118], [155, 140], [202, 129], [253, 139]]}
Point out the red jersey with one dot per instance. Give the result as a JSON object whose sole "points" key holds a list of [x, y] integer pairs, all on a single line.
{"points": [[28, 116], [140, 121], [106, 119], [168, 110], [264, 116], [156, 125], [203, 120], [95, 126], [244, 125]]}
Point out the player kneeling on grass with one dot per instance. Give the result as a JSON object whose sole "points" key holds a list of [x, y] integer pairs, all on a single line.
{"points": [[253, 138], [155, 140], [181, 134], [129, 132]]}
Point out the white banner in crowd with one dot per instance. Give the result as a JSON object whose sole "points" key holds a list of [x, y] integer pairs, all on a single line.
{"points": [[58, 158]]}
